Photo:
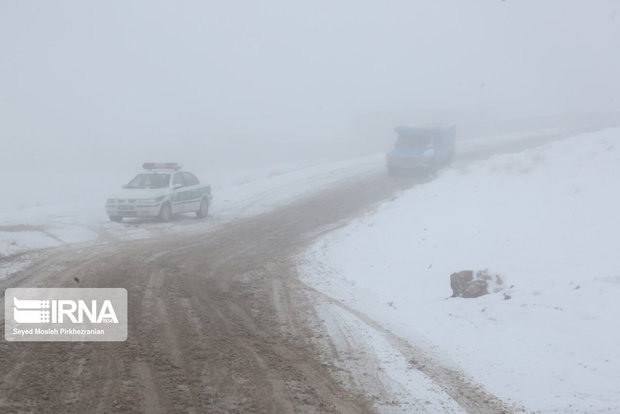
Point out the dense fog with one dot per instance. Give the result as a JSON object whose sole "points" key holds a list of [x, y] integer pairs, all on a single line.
{"points": [[110, 84], [304, 258]]}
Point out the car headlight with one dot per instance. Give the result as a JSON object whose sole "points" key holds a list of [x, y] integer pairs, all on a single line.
{"points": [[111, 201]]}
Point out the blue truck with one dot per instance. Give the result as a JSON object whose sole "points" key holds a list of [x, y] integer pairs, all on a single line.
{"points": [[421, 150]]}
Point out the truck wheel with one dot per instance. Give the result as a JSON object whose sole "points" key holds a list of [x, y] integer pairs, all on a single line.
{"points": [[116, 219], [450, 158], [431, 173], [165, 213], [203, 211]]}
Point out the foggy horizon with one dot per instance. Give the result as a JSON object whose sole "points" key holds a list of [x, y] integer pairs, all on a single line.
{"points": [[112, 84]]}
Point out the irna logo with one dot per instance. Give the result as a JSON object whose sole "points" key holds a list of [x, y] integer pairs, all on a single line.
{"points": [[65, 314], [63, 310]]}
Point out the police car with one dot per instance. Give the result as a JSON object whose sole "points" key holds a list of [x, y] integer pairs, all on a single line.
{"points": [[161, 191]]}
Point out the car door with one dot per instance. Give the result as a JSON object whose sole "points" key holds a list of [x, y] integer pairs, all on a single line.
{"points": [[179, 196], [193, 188]]}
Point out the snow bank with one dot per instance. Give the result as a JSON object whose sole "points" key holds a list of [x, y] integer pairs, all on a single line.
{"points": [[547, 220]]}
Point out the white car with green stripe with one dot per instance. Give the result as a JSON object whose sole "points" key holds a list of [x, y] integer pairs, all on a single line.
{"points": [[161, 191]]}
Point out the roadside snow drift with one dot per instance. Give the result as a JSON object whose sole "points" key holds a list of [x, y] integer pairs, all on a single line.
{"points": [[547, 221]]}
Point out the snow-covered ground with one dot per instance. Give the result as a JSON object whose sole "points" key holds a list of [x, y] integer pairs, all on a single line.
{"points": [[547, 221]]}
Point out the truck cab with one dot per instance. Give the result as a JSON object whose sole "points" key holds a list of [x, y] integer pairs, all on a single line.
{"points": [[421, 150]]}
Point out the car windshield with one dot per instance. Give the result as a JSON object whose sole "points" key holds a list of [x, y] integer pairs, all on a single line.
{"points": [[414, 141], [150, 181]]}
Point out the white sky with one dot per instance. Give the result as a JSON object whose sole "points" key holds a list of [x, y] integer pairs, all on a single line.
{"points": [[228, 81]]}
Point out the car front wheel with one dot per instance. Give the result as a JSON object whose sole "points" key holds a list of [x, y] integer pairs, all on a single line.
{"points": [[204, 209], [165, 213]]}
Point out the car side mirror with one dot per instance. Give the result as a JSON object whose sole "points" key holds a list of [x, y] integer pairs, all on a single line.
{"points": [[124, 186], [177, 186]]}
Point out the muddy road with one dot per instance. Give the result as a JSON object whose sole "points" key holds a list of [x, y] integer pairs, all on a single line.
{"points": [[214, 323], [218, 323]]}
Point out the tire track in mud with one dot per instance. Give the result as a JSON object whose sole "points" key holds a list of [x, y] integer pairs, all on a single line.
{"points": [[204, 335]]}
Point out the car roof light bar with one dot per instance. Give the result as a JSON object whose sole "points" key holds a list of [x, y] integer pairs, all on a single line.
{"points": [[161, 166]]}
